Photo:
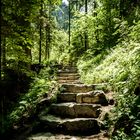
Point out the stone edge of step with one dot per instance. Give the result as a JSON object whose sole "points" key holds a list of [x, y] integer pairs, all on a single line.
{"points": [[71, 104], [53, 118]]}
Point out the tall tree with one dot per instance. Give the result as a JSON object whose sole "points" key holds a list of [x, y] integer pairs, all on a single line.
{"points": [[0, 36], [48, 31], [86, 34], [69, 22], [4, 53], [40, 30]]}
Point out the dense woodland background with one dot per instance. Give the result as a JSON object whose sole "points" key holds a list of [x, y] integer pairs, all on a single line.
{"points": [[101, 37]]}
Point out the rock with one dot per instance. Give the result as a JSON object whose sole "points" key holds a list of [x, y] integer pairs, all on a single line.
{"points": [[79, 97], [67, 71], [96, 97], [61, 74], [68, 77], [77, 88], [73, 110], [66, 97], [68, 81], [84, 126], [49, 136]]}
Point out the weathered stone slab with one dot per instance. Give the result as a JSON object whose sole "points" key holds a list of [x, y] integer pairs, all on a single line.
{"points": [[82, 125], [77, 88], [95, 97], [75, 126], [68, 81], [74, 110], [61, 74], [50, 136], [63, 109], [66, 97], [67, 71], [68, 77]]}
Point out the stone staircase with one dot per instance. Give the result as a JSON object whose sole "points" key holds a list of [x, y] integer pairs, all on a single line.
{"points": [[80, 108]]}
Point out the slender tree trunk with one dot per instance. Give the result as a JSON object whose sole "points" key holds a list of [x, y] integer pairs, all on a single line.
{"points": [[0, 59], [69, 24], [0, 38], [40, 32], [40, 43], [4, 53], [109, 24], [86, 7], [47, 55], [86, 36], [48, 33], [121, 8], [1, 103], [86, 40], [46, 49]]}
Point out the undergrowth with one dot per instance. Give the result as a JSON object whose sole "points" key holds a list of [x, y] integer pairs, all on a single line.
{"points": [[41, 87], [121, 69]]}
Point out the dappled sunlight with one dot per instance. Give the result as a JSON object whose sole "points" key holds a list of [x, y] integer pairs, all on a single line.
{"points": [[70, 69]]}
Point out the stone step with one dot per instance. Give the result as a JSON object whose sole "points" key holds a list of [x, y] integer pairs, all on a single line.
{"points": [[67, 74], [73, 110], [69, 68], [76, 126], [67, 71], [68, 77], [94, 97], [50, 136], [66, 97], [68, 81], [77, 88]]}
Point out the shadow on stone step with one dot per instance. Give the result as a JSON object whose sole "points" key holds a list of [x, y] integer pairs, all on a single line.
{"points": [[77, 127]]}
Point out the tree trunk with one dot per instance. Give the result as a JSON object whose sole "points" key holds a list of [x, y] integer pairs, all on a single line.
{"points": [[47, 55], [40, 42], [4, 53], [0, 38], [40, 32], [48, 33], [86, 36], [69, 24]]}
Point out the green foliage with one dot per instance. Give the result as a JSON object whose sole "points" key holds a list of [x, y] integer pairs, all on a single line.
{"points": [[120, 67], [112, 54], [40, 88], [98, 24], [127, 128], [20, 30], [121, 64], [59, 50]]}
